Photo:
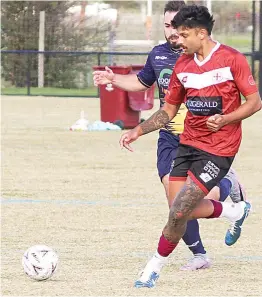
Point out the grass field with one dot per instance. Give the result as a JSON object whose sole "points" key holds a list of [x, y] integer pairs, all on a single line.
{"points": [[92, 91], [103, 209], [242, 43]]}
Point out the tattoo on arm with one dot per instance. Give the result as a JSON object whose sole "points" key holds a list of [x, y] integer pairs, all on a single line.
{"points": [[155, 122]]}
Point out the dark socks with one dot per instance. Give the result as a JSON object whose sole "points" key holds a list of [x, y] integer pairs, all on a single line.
{"points": [[225, 188], [192, 238]]}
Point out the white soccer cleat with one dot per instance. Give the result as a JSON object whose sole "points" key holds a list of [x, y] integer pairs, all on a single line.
{"points": [[199, 261], [237, 192]]}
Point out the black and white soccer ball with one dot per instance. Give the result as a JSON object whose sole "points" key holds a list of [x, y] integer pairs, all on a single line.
{"points": [[40, 262]]}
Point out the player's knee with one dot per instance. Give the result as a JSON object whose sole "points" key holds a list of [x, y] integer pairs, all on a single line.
{"points": [[177, 216]]}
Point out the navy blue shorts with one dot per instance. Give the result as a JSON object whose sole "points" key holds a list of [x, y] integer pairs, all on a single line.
{"points": [[166, 152]]}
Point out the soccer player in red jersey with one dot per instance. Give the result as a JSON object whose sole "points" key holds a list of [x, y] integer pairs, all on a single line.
{"points": [[158, 68], [208, 78]]}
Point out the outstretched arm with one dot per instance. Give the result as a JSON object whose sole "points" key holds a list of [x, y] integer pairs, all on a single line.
{"points": [[127, 82], [158, 120], [173, 99]]}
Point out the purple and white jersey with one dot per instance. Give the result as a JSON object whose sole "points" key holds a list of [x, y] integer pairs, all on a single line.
{"points": [[158, 68]]}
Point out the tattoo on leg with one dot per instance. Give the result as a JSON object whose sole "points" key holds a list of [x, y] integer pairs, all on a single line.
{"points": [[155, 122], [185, 202]]}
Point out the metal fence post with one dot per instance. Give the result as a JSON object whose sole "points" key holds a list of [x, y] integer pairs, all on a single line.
{"points": [[28, 75], [99, 59], [98, 63], [253, 46], [260, 51]]}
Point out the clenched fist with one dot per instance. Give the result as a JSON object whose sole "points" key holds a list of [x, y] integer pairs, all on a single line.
{"points": [[215, 122]]}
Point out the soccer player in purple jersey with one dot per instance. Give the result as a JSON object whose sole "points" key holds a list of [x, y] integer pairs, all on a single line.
{"points": [[158, 68]]}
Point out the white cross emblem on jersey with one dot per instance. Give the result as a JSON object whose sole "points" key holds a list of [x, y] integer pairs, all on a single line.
{"points": [[217, 77]]}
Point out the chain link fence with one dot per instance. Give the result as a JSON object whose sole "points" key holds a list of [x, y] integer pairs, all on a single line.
{"points": [[117, 33]]}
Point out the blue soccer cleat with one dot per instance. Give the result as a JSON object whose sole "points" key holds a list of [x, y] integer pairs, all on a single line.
{"points": [[151, 272], [235, 230], [149, 283]]}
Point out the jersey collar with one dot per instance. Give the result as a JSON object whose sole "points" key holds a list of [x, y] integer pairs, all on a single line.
{"points": [[207, 58], [174, 51]]}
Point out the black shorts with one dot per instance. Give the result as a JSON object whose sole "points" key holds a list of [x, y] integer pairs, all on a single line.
{"points": [[205, 169]]}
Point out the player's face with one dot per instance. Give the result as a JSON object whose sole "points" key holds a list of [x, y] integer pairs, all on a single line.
{"points": [[170, 33], [189, 39]]}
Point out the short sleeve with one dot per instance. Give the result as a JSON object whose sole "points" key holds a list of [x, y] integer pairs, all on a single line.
{"points": [[147, 75], [176, 91], [242, 75]]}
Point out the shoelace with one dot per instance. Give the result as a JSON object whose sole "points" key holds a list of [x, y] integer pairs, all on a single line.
{"points": [[233, 228]]}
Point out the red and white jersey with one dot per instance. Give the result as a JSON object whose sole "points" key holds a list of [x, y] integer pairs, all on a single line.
{"points": [[209, 87]]}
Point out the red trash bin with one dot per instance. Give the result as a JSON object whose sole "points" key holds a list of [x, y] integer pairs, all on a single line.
{"points": [[114, 102], [141, 100]]}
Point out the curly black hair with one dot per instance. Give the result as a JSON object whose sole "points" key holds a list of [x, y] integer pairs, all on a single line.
{"points": [[193, 16], [174, 6]]}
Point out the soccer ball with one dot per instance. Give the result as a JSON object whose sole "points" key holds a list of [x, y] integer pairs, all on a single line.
{"points": [[40, 262]]}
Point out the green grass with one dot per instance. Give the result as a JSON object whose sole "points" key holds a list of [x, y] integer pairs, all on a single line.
{"points": [[92, 91], [239, 42]]}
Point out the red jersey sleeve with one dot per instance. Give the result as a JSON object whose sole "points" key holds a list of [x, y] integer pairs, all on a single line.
{"points": [[176, 91], [242, 75]]}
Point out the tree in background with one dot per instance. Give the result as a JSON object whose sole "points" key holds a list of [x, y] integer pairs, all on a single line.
{"points": [[64, 31], [69, 31]]}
